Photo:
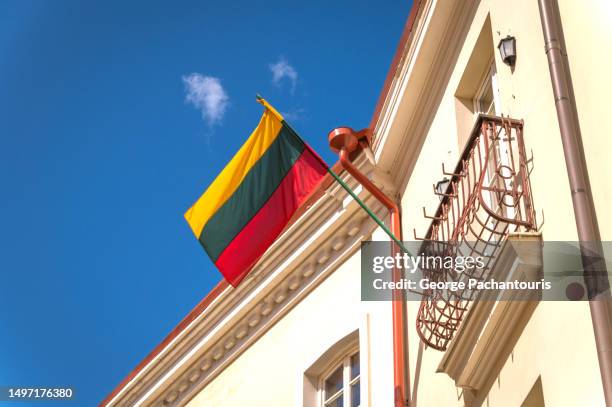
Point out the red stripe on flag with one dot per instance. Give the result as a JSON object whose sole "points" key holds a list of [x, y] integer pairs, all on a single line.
{"points": [[262, 230]]}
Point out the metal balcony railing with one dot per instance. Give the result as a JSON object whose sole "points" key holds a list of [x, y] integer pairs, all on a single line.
{"points": [[488, 196]]}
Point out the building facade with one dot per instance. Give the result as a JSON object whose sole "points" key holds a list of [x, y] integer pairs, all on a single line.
{"points": [[296, 332]]}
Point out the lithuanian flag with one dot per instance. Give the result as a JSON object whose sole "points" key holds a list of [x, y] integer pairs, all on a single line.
{"points": [[251, 201]]}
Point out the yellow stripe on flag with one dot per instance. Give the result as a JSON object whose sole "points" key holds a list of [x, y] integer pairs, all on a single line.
{"points": [[233, 174]]}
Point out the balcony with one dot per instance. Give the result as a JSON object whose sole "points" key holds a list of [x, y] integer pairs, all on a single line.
{"points": [[487, 197]]}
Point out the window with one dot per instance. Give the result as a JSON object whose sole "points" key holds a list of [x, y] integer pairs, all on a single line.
{"points": [[334, 378], [477, 89], [340, 387], [486, 99]]}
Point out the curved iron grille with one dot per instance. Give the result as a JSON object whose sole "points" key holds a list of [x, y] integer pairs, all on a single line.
{"points": [[487, 197]]}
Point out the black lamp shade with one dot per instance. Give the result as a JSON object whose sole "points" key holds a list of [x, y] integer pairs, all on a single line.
{"points": [[507, 50], [441, 186]]}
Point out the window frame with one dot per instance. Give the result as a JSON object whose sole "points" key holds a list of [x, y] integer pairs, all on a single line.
{"points": [[347, 382], [488, 82]]}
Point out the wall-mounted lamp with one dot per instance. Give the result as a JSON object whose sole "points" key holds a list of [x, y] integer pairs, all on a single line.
{"points": [[507, 50], [442, 186]]}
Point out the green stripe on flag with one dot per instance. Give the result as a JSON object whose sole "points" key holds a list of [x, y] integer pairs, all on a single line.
{"points": [[256, 188]]}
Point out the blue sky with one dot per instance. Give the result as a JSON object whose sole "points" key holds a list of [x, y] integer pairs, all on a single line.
{"points": [[114, 117]]}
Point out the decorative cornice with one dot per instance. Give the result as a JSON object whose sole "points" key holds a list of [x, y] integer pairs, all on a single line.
{"points": [[401, 75], [265, 312], [307, 252]]}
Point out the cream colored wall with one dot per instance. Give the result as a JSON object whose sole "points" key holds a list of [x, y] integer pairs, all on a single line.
{"points": [[588, 32], [557, 344], [270, 372], [558, 341]]}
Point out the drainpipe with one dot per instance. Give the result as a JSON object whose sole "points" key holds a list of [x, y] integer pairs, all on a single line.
{"points": [[595, 273], [344, 141]]}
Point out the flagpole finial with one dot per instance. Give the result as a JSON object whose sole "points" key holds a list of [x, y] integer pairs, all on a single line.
{"points": [[269, 107]]}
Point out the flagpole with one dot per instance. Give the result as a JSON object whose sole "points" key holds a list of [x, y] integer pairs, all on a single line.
{"points": [[369, 211], [336, 177]]}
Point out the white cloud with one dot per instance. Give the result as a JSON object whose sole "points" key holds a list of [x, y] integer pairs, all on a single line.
{"points": [[281, 70], [293, 114], [207, 95]]}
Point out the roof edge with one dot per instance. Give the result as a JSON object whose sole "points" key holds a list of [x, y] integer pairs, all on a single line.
{"points": [[395, 62], [180, 327]]}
